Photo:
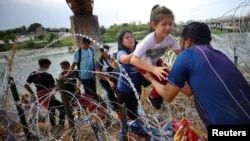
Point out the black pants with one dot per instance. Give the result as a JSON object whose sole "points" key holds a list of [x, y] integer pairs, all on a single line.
{"points": [[53, 105], [131, 103], [89, 86], [110, 93]]}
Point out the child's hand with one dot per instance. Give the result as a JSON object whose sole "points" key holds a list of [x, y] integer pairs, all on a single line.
{"points": [[161, 72]]}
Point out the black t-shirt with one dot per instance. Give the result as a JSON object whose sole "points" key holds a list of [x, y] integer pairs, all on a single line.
{"points": [[42, 80], [70, 81]]}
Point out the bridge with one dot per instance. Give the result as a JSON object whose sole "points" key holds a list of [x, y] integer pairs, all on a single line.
{"points": [[230, 23], [83, 21], [81, 7]]}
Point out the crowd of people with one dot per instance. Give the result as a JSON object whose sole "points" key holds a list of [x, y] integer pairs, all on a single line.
{"points": [[220, 91]]}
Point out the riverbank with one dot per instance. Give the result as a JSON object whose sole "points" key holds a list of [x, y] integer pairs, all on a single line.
{"points": [[21, 53]]}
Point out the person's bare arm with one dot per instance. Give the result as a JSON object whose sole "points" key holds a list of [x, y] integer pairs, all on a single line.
{"points": [[158, 71], [32, 94], [72, 66], [187, 90], [168, 92], [101, 75], [125, 59], [141, 64], [28, 88]]}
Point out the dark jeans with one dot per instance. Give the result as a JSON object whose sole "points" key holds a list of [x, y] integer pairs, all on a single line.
{"points": [[111, 94], [131, 103], [53, 105]]}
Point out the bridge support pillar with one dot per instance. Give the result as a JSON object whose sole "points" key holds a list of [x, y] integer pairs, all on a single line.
{"points": [[86, 25]]}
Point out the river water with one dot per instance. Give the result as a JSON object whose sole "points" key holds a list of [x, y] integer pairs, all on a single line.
{"points": [[27, 61]]}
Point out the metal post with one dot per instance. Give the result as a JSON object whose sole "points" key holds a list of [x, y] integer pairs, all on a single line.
{"points": [[124, 122], [18, 107], [67, 108]]}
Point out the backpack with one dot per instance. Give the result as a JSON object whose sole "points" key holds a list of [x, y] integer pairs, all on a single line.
{"points": [[80, 56], [80, 52]]}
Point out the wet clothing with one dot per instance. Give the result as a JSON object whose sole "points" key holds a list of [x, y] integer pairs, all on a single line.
{"points": [[220, 91]]}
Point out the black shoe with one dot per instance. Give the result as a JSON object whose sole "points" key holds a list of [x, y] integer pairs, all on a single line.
{"points": [[155, 102]]}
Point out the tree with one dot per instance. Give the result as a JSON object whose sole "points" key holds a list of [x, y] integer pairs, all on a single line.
{"points": [[33, 27], [103, 29], [20, 30]]}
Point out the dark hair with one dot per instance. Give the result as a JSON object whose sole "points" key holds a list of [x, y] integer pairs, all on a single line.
{"points": [[198, 32], [157, 14], [120, 40], [104, 47], [85, 40], [44, 61], [65, 63]]}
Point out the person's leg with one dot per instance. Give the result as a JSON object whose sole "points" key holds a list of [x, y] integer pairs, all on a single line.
{"points": [[154, 98], [85, 86], [52, 114], [92, 84], [70, 86], [153, 92], [89, 86], [55, 104], [132, 106], [110, 94], [130, 103]]}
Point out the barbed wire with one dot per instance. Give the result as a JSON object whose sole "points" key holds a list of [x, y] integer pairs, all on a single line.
{"points": [[102, 123]]}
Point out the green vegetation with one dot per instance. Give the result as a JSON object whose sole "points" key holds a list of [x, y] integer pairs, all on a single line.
{"points": [[139, 30], [44, 36], [35, 37], [110, 35]]}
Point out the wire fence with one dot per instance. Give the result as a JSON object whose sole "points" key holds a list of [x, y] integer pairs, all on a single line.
{"points": [[102, 123]]}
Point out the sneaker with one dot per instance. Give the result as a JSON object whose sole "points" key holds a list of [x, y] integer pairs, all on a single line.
{"points": [[155, 102]]}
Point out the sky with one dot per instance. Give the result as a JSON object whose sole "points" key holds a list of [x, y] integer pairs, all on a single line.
{"points": [[56, 13]]}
